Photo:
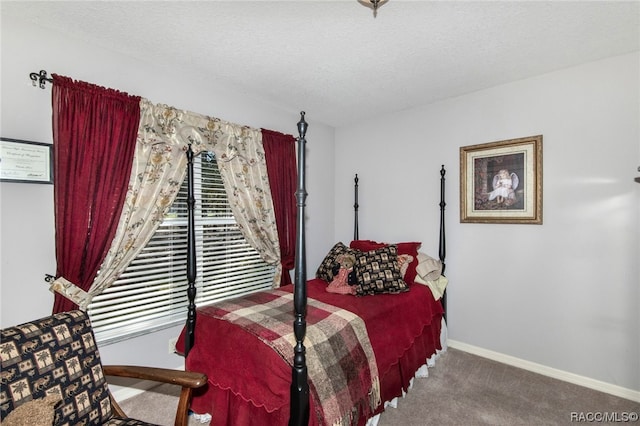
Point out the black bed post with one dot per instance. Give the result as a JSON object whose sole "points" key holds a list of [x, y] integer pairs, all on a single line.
{"points": [[299, 404], [442, 252], [191, 257], [356, 232]]}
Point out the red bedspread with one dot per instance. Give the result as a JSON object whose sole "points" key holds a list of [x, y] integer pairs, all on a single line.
{"points": [[249, 383]]}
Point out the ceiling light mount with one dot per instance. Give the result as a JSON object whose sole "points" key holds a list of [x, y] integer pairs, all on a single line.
{"points": [[373, 4]]}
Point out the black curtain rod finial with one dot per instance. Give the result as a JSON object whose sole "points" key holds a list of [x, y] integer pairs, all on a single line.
{"points": [[40, 78]]}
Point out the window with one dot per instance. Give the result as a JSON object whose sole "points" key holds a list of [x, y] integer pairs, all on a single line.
{"points": [[152, 293]]}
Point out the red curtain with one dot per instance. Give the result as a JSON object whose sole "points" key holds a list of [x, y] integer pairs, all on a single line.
{"points": [[280, 155], [94, 137]]}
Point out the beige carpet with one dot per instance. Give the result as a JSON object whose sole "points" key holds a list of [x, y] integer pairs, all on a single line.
{"points": [[462, 389]]}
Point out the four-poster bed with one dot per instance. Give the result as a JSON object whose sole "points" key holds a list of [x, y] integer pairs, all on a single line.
{"points": [[342, 356], [262, 354]]}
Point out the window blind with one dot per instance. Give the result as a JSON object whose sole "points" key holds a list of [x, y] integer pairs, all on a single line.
{"points": [[151, 293]]}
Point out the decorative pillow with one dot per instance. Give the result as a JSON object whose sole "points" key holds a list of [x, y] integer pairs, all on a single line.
{"points": [[37, 412], [366, 245], [410, 248], [378, 272], [403, 261], [330, 265], [429, 269]]}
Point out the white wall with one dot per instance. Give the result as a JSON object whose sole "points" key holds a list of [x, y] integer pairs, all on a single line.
{"points": [[27, 223], [564, 294]]}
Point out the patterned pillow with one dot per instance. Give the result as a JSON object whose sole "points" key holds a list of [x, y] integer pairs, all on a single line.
{"points": [[378, 272], [411, 248], [328, 266]]}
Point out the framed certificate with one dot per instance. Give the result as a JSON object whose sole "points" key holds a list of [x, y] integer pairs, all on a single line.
{"points": [[25, 161]]}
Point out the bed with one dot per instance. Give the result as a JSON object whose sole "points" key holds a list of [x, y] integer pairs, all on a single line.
{"points": [[301, 354]]}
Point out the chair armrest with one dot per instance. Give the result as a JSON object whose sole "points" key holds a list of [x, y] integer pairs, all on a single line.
{"points": [[189, 379]]}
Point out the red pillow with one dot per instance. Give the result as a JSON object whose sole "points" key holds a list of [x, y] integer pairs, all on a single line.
{"points": [[410, 248], [366, 245]]}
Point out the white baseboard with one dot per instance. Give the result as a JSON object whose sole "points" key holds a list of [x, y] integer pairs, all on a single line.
{"points": [[121, 393], [548, 371]]}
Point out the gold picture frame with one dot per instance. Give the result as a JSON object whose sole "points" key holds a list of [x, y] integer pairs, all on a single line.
{"points": [[501, 182]]}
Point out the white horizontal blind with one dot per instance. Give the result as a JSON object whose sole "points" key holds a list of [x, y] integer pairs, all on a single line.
{"points": [[152, 292]]}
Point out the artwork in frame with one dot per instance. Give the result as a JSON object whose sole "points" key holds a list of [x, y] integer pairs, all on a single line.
{"points": [[501, 182], [25, 161]]}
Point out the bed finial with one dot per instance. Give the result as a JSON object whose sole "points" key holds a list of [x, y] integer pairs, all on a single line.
{"points": [[302, 125]]}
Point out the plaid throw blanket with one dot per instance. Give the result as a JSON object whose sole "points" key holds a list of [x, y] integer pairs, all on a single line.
{"points": [[342, 371]]}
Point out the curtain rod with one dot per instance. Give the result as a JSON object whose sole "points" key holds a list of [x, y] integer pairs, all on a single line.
{"points": [[40, 78]]}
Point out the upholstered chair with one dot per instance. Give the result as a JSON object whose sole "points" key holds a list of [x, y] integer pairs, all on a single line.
{"points": [[52, 375]]}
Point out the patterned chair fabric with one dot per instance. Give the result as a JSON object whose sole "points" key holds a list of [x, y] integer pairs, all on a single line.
{"points": [[56, 354]]}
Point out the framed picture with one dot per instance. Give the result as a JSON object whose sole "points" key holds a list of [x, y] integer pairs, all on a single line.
{"points": [[501, 182], [25, 161]]}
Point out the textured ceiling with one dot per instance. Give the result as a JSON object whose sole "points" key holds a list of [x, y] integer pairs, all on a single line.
{"points": [[334, 59]]}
